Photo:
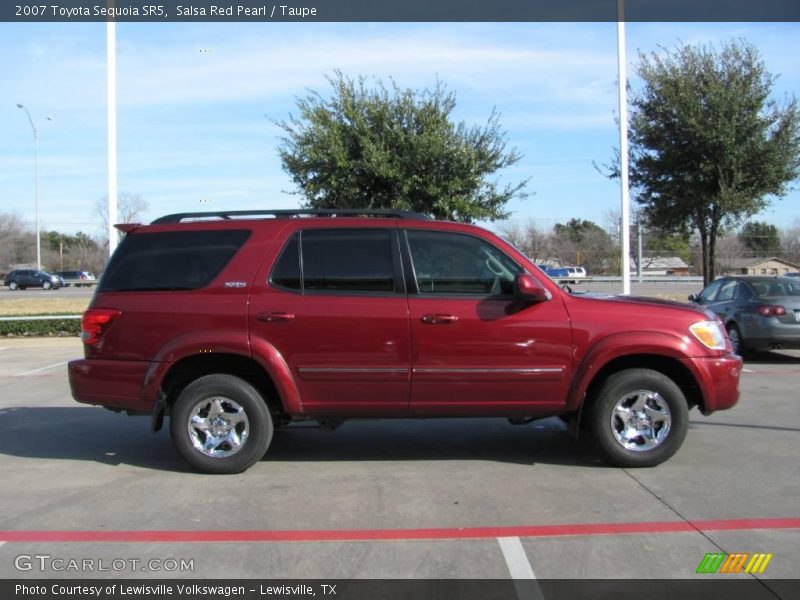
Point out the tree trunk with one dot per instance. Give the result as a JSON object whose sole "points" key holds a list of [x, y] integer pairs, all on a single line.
{"points": [[704, 253], [712, 252], [713, 228]]}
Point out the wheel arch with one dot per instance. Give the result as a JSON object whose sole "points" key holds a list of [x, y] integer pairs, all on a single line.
{"points": [[666, 365], [189, 368], [663, 352]]}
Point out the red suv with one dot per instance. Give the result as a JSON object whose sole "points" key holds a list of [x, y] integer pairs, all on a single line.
{"points": [[235, 324]]}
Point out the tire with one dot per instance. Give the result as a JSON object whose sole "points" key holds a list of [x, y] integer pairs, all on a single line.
{"points": [[46, 285], [13, 286], [737, 342], [652, 404], [242, 417]]}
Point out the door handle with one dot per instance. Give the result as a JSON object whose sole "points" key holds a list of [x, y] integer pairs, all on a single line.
{"points": [[274, 317], [438, 319]]}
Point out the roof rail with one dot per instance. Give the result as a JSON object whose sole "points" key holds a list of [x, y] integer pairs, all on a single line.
{"points": [[291, 213]]}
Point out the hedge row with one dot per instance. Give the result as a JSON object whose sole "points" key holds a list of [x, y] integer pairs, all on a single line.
{"points": [[45, 328]]}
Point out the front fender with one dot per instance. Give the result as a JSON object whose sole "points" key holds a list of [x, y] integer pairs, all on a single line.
{"points": [[618, 345]]}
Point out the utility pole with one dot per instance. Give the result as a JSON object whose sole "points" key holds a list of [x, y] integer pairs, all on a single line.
{"points": [[111, 100], [625, 201]]}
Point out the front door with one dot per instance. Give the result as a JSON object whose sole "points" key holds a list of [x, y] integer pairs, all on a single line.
{"points": [[476, 348]]}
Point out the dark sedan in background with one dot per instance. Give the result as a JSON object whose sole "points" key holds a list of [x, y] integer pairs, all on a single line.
{"points": [[25, 278], [759, 312]]}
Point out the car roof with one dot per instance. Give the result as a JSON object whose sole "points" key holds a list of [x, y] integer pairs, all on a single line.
{"points": [[755, 278]]}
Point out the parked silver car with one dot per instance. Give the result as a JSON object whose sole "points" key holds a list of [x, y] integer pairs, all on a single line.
{"points": [[759, 312]]}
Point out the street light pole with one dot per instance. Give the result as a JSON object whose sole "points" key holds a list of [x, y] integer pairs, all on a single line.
{"points": [[35, 183], [625, 201]]}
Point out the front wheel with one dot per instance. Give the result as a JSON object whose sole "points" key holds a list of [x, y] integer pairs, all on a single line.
{"points": [[639, 418], [13, 286], [47, 285], [220, 424]]}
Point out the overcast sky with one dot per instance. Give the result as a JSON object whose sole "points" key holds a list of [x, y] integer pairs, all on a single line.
{"points": [[196, 103]]}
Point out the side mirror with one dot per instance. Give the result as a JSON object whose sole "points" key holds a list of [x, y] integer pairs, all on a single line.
{"points": [[527, 288], [693, 297]]}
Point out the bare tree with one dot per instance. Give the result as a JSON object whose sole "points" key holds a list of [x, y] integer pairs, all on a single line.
{"points": [[790, 242], [16, 241], [528, 238], [130, 208]]}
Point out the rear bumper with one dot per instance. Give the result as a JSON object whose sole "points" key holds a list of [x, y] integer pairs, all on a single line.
{"points": [[718, 378], [112, 383], [774, 333]]}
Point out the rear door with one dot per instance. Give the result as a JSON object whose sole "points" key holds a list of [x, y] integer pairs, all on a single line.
{"points": [[334, 306], [476, 348]]}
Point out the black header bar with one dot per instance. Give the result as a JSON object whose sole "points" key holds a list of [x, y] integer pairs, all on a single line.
{"points": [[253, 11]]}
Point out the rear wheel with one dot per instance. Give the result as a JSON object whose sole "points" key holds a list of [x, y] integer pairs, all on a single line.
{"points": [[639, 418], [221, 424], [13, 286], [735, 336]]}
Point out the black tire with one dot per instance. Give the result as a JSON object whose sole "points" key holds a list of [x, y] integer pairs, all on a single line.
{"points": [[223, 396], [13, 286], [661, 403], [737, 341]]}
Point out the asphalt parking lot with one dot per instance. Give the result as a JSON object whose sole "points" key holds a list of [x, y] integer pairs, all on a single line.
{"points": [[390, 499]]}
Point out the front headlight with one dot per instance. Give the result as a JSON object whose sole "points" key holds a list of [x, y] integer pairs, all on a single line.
{"points": [[709, 333]]}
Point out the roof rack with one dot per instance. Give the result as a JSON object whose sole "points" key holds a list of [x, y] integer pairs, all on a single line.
{"points": [[291, 213]]}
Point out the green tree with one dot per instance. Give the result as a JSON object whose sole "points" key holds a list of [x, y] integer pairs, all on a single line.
{"points": [[761, 238], [585, 243], [708, 145], [661, 243], [577, 230], [399, 149]]}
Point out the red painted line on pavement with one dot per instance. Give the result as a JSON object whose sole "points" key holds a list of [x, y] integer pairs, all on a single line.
{"points": [[352, 535]]}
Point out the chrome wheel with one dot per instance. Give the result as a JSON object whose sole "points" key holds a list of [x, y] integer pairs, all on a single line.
{"points": [[641, 420], [47, 285], [218, 427], [13, 286]]}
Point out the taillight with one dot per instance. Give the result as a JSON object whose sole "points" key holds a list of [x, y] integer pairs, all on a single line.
{"points": [[767, 310], [95, 322]]}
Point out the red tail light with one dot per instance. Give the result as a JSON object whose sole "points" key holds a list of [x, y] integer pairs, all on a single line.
{"points": [[95, 323], [771, 311]]}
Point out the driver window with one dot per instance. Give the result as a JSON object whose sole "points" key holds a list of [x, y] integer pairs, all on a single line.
{"points": [[707, 295], [727, 292], [452, 263]]}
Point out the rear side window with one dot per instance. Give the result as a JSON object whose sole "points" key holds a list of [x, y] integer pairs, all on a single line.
{"points": [[176, 260], [357, 260], [337, 260], [287, 269]]}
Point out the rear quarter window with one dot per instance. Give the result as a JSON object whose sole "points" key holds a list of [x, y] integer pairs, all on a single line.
{"points": [[169, 261]]}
